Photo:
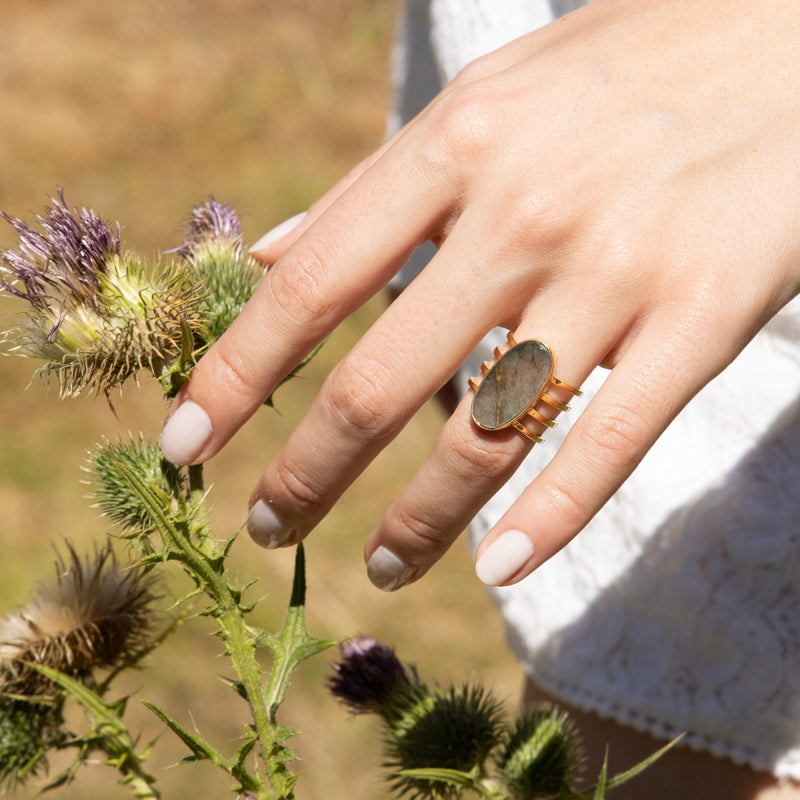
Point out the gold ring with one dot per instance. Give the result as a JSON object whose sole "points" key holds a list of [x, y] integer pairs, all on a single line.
{"points": [[513, 383]]}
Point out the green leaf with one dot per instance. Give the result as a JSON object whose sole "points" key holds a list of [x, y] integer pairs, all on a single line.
{"points": [[455, 777], [606, 785], [293, 374], [602, 780], [201, 749], [107, 714], [624, 777], [293, 644], [109, 734]]}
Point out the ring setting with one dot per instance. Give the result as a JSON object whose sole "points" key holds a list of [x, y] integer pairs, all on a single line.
{"points": [[513, 384]]}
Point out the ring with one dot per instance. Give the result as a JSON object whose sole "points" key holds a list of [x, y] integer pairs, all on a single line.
{"points": [[513, 383]]}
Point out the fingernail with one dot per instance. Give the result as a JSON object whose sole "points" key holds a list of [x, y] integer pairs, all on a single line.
{"points": [[279, 230], [504, 558], [388, 571], [265, 527], [185, 433]]}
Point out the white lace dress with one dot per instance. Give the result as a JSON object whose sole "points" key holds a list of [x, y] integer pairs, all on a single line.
{"points": [[678, 608]]}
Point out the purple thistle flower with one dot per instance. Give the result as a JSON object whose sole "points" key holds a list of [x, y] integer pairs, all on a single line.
{"points": [[214, 249], [212, 221], [369, 677], [94, 316], [67, 256]]}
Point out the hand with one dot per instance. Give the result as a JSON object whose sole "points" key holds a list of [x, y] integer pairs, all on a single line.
{"points": [[623, 185]]}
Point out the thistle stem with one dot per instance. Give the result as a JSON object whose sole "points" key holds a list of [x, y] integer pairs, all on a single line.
{"points": [[142, 788], [241, 647]]}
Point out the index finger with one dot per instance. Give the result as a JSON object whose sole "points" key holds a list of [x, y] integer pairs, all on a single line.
{"points": [[324, 276]]}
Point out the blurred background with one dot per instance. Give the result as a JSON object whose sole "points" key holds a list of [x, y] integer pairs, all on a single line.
{"points": [[140, 110]]}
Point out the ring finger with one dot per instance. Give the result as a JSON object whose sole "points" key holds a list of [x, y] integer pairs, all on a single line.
{"points": [[468, 465]]}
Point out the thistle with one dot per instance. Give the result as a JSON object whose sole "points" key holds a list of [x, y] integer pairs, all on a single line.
{"points": [[93, 616], [95, 316], [425, 730], [107, 467], [438, 742]]}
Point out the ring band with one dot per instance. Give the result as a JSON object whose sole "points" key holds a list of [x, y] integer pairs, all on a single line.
{"points": [[511, 385]]}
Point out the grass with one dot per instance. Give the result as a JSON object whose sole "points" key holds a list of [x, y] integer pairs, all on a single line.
{"points": [[141, 110]]}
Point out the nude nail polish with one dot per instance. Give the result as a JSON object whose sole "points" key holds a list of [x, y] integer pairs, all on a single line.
{"points": [[504, 558], [186, 433], [265, 527], [388, 571]]}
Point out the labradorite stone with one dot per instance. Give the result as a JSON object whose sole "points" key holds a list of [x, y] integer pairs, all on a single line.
{"points": [[512, 385]]}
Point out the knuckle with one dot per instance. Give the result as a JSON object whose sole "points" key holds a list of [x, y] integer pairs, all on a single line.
{"points": [[473, 455], [298, 287], [544, 214], [296, 490], [568, 505], [472, 71], [614, 438], [461, 122], [234, 375], [359, 397], [423, 535]]}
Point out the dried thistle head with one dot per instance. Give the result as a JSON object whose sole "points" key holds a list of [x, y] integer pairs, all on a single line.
{"points": [[215, 251], [95, 315], [95, 614]]}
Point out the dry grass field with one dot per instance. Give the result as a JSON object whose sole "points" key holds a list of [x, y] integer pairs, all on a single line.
{"points": [[140, 110]]}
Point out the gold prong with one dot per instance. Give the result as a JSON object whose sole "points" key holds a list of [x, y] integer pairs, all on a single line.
{"points": [[511, 340], [497, 352], [566, 387], [473, 384], [551, 423], [485, 367], [532, 436], [551, 401]]}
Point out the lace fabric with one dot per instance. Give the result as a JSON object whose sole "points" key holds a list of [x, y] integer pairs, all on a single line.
{"points": [[677, 608]]}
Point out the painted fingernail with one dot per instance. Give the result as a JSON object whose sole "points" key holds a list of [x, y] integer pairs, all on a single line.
{"points": [[504, 558], [265, 527], [388, 571], [279, 230], [185, 433]]}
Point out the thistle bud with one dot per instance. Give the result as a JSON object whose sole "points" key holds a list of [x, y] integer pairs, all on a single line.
{"points": [[109, 467], [27, 730], [452, 729], [369, 677], [542, 756]]}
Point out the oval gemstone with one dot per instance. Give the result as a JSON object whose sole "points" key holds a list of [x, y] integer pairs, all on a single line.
{"points": [[512, 385]]}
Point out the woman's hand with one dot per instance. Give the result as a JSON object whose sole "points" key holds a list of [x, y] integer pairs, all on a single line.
{"points": [[623, 185]]}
